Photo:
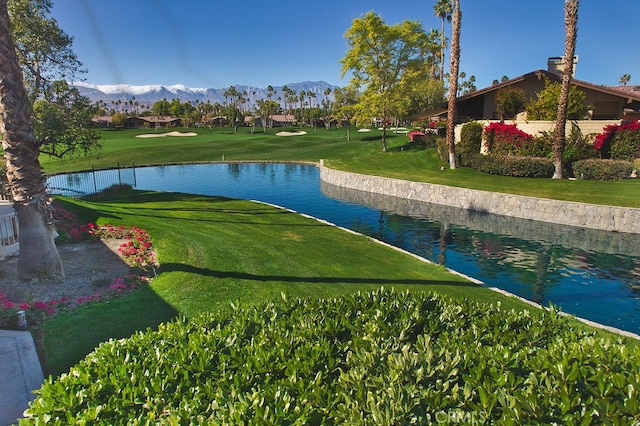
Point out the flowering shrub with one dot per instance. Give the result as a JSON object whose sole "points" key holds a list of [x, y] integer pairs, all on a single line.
{"points": [[501, 138], [619, 142], [69, 230], [137, 251], [36, 311]]}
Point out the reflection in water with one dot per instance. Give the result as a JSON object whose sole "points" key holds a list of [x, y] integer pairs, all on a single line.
{"points": [[579, 269]]}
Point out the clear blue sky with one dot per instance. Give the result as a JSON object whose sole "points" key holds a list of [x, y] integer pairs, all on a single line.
{"points": [[216, 44]]}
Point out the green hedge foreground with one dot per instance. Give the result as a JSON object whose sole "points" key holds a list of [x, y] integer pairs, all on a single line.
{"points": [[382, 357]]}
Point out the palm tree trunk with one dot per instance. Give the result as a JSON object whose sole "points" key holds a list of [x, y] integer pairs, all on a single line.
{"points": [[38, 254], [571, 28], [453, 81]]}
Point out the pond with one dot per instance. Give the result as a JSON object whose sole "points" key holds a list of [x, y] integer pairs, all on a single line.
{"points": [[589, 273]]}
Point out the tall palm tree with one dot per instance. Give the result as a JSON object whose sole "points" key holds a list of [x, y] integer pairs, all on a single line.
{"points": [[624, 79], [453, 81], [442, 10], [38, 254], [571, 29]]}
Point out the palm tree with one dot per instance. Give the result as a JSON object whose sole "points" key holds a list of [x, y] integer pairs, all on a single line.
{"points": [[571, 29], [624, 79], [442, 10], [38, 254], [453, 81]]}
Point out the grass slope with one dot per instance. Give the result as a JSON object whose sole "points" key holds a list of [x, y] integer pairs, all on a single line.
{"points": [[215, 250]]}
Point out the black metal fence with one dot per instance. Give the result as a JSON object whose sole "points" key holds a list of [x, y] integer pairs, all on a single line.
{"points": [[79, 184]]}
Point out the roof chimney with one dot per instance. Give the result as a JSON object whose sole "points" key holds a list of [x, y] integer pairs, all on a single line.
{"points": [[556, 65]]}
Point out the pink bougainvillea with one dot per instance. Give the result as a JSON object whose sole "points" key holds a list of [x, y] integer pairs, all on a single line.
{"points": [[604, 140], [506, 136]]}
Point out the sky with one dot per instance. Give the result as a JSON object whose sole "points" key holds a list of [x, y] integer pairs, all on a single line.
{"points": [[217, 44]]}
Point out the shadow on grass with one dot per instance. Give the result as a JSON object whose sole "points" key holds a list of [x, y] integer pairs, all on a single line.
{"points": [[409, 146], [69, 337], [179, 267]]}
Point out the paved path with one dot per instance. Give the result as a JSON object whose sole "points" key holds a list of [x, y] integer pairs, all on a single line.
{"points": [[20, 374]]}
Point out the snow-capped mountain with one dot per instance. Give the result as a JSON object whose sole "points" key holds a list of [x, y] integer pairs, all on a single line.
{"points": [[148, 94]]}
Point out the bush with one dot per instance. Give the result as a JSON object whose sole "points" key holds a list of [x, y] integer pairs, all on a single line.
{"points": [[505, 139], [602, 169], [545, 107], [577, 147], [539, 146], [470, 138], [370, 358], [512, 165], [619, 142], [510, 101], [626, 142], [443, 149]]}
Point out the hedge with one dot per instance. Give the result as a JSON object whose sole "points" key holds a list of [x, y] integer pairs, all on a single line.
{"points": [[603, 169], [508, 165], [381, 357]]}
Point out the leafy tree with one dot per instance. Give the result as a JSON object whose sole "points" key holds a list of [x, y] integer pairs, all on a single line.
{"points": [[118, 119], [545, 107], [38, 254], [161, 108], [384, 60], [234, 113], [44, 49], [442, 9], [345, 101], [61, 122], [265, 108], [571, 29], [453, 82], [510, 101], [47, 60], [425, 94]]}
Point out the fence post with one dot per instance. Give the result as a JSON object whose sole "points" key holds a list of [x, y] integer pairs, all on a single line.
{"points": [[95, 184], [133, 165], [119, 176]]}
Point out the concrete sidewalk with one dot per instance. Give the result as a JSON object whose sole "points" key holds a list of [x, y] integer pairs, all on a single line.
{"points": [[20, 374]]}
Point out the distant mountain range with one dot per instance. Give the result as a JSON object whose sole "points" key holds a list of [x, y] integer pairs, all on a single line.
{"points": [[148, 94]]}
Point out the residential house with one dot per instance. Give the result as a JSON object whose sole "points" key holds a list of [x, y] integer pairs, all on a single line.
{"points": [[606, 102]]}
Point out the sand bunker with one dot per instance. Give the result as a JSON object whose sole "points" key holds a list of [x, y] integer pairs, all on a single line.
{"points": [[161, 135], [364, 130], [291, 133]]}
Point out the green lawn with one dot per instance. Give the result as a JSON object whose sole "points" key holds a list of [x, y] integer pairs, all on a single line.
{"points": [[215, 250], [362, 154]]}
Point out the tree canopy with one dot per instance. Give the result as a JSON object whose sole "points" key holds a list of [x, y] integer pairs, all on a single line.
{"points": [[385, 62], [545, 107], [44, 50], [61, 116], [61, 122]]}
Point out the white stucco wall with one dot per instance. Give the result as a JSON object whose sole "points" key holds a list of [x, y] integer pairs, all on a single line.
{"points": [[534, 128]]}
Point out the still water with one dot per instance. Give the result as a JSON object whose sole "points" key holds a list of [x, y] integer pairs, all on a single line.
{"points": [[589, 273]]}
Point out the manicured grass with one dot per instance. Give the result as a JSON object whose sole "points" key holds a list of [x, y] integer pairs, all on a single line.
{"points": [[214, 251], [362, 154]]}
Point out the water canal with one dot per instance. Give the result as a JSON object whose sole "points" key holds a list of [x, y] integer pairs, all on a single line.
{"points": [[589, 273]]}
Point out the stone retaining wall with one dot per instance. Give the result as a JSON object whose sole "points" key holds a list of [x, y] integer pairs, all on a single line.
{"points": [[583, 215]]}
